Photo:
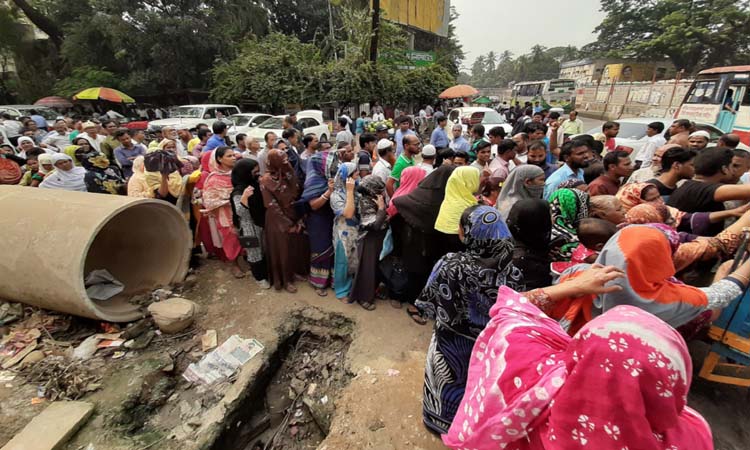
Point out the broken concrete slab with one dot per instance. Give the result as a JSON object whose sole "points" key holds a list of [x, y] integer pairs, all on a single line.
{"points": [[52, 427]]}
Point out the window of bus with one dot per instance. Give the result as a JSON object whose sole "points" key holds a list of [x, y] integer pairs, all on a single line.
{"points": [[707, 92]]}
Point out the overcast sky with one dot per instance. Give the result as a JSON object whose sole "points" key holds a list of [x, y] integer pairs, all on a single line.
{"points": [[518, 25]]}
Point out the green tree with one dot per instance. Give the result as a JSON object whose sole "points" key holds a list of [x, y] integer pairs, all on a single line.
{"points": [[83, 77], [272, 71], [693, 34]]}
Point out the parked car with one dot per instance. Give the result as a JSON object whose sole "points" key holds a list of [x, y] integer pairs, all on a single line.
{"points": [[190, 116], [244, 122], [311, 121], [470, 116], [633, 132], [16, 111]]}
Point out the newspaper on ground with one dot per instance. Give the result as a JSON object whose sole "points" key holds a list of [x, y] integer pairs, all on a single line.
{"points": [[223, 361]]}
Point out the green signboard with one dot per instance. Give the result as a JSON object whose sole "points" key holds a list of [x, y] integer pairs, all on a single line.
{"points": [[409, 59]]}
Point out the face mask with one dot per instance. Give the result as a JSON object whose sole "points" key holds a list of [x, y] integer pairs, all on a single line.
{"points": [[535, 191]]}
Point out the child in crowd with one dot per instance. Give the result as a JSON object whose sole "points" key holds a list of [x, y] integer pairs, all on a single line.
{"points": [[593, 234]]}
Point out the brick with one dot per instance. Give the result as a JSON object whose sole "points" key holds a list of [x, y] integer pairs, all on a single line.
{"points": [[52, 427]]}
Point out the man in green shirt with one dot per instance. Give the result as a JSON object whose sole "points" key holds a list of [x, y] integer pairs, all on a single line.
{"points": [[412, 147], [109, 144], [573, 125]]}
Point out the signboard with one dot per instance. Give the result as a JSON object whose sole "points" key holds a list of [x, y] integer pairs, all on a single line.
{"points": [[699, 113], [431, 16], [409, 59]]}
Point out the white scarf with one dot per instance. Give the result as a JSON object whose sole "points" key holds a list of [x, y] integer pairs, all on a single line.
{"points": [[71, 180]]}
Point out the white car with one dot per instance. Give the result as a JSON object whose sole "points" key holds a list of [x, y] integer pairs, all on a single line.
{"points": [[189, 116], [633, 132], [16, 111], [244, 122], [311, 121], [470, 116]]}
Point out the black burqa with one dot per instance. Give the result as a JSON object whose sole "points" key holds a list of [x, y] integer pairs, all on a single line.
{"points": [[415, 240], [530, 223]]}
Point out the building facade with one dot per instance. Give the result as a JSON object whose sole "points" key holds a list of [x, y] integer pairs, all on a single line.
{"points": [[607, 70]]}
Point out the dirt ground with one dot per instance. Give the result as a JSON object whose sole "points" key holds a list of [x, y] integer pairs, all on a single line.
{"points": [[379, 408]]}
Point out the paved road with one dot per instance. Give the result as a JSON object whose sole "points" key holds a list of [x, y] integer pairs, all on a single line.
{"points": [[588, 124]]}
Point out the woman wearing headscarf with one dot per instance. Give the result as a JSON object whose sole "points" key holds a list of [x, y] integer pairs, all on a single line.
{"points": [[101, 178], [530, 223], [372, 229], [460, 192], [217, 206], [531, 386], [568, 207], [287, 259], [66, 176], [524, 182], [459, 294], [319, 219], [166, 184], [82, 145], [700, 223], [645, 254], [249, 216], [137, 185], [25, 144], [344, 201], [416, 243], [45, 167], [410, 179], [692, 248]]}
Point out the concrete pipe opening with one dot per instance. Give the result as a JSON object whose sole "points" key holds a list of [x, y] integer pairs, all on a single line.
{"points": [[63, 236]]}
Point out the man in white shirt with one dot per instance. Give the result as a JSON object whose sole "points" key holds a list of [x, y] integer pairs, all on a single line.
{"points": [[429, 153], [58, 139], [91, 134], [345, 135], [655, 133], [386, 158]]}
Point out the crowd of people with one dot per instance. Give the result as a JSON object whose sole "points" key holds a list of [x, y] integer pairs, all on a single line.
{"points": [[563, 273]]}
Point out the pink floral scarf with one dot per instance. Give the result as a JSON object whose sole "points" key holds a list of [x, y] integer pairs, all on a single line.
{"points": [[620, 383]]}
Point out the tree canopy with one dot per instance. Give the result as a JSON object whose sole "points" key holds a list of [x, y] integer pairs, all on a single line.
{"points": [[271, 52], [500, 70]]}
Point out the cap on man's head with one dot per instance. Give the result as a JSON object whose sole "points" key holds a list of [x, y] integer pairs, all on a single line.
{"points": [[89, 124], [381, 127], [429, 150], [384, 143], [701, 133]]}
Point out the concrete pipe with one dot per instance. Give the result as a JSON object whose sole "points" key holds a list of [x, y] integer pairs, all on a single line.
{"points": [[52, 239]]}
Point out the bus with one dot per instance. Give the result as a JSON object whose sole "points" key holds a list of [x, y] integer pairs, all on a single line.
{"points": [[557, 93], [720, 96]]}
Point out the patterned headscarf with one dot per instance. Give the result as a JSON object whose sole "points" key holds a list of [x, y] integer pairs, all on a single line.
{"points": [[531, 386], [631, 194], [316, 182], [338, 197], [487, 236], [646, 213], [568, 207], [370, 187], [571, 183]]}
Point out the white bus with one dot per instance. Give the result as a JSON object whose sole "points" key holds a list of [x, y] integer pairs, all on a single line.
{"points": [[557, 93]]}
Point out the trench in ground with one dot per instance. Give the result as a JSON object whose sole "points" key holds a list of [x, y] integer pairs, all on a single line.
{"points": [[291, 402]]}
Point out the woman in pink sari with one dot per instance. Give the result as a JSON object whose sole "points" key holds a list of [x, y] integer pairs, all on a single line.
{"points": [[621, 382], [217, 192]]}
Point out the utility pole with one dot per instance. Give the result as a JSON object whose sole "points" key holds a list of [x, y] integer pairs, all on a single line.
{"points": [[375, 30], [330, 30]]}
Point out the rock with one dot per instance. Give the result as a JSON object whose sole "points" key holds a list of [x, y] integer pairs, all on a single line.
{"points": [[33, 358], [141, 341], [87, 348], [52, 427], [173, 315], [161, 294], [297, 385], [136, 329]]}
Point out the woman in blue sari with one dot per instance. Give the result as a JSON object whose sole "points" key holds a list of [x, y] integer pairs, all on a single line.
{"points": [[319, 219]]}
